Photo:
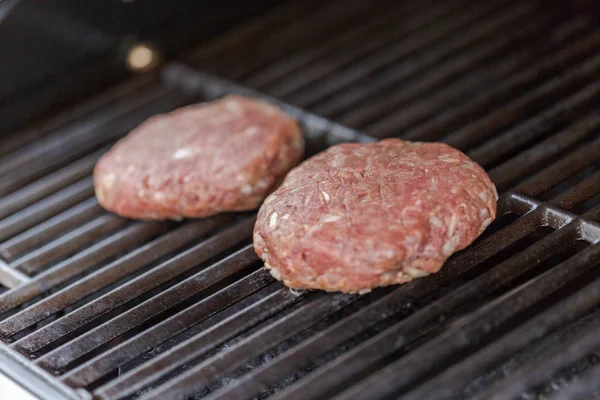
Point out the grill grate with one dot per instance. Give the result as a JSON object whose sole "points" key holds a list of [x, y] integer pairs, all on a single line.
{"points": [[123, 309]]}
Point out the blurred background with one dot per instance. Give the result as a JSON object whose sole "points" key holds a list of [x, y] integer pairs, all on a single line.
{"points": [[55, 52]]}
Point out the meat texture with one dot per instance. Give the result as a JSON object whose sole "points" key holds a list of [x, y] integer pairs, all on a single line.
{"points": [[199, 160], [359, 216]]}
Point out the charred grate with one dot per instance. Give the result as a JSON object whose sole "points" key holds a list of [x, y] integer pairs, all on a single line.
{"points": [[120, 309]]}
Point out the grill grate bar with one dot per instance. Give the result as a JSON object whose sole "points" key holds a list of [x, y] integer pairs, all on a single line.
{"points": [[475, 326], [49, 229], [296, 61], [130, 290], [584, 387], [62, 272], [462, 89], [534, 157], [388, 46], [194, 347], [46, 208], [258, 380], [557, 218], [200, 375], [247, 32], [77, 239], [456, 34], [557, 172], [298, 34], [456, 117], [47, 186], [143, 312], [531, 375], [579, 192], [118, 356], [107, 275], [549, 120], [567, 311], [10, 277], [533, 101], [439, 58], [428, 73]]}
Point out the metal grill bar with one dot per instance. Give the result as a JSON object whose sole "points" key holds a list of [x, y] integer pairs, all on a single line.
{"points": [[299, 59], [46, 186], [584, 156], [10, 277], [440, 59], [200, 375], [109, 361], [47, 387], [160, 274], [436, 73], [85, 343], [531, 374], [533, 101], [534, 157], [584, 387], [258, 380], [49, 229], [301, 32], [421, 111], [552, 119], [579, 192], [107, 275], [389, 46], [46, 208], [249, 31], [454, 118], [445, 385], [193, 348], [62, 272], [454, 38], [35, 261]]}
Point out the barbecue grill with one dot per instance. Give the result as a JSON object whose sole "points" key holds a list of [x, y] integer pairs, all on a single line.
{"points": [[93, 306]]}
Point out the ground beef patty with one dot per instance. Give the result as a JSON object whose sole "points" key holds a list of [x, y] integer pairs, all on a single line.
{"points": [[199, 160], [358, 216]]}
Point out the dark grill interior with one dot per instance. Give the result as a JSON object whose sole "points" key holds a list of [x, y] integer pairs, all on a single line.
{"points": [[124, 309]]}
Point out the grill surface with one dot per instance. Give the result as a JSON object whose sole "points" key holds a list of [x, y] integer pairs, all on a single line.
{"points": [[120, 309]]}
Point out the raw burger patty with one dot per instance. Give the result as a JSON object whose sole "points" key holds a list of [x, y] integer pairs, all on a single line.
{"points": [[199, 160], [358, 216]]}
